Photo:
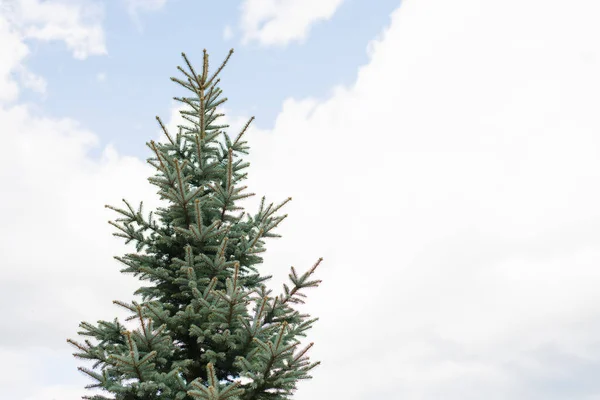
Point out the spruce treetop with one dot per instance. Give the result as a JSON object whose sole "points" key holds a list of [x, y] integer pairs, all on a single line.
{"points": [[209, 327]]}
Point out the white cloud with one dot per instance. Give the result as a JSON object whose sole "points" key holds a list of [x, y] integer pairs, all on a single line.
{"points": [[14, 51], [135, 6], [32, 155], [48, 160], [145, 5], [77, 24], [32, 81], [452, 191], [278, 22], [227, 33], [101, 77]]}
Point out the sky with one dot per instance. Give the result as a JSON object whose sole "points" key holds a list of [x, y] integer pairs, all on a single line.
{"points": [[442, 156]]}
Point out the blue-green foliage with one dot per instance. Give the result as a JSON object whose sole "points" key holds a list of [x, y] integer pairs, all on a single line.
{"points": [[208, 319]]}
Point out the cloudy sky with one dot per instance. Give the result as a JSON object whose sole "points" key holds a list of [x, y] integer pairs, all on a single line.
{"points": [[443, 157]]}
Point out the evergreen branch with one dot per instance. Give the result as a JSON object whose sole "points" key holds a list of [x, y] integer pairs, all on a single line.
{"points": [[220, 68], [190, 77], [164, 129], [198, 150], [184, 84], [194, 75], [239, 136], [199, 334], [153, 146], [204, 66], [301, 283]]}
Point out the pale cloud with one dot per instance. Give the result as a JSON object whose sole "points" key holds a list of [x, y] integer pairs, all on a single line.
{"points": [[31, 142], [32, 81], [227, 32], [279, 22], [77, 24], [56, 265], [134, 7], [144, 5], [13, 53], [453, 193], [101, 77]]}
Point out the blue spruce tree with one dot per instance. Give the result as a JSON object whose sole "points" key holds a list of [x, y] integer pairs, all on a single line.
{"points": [[209, 327]]}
